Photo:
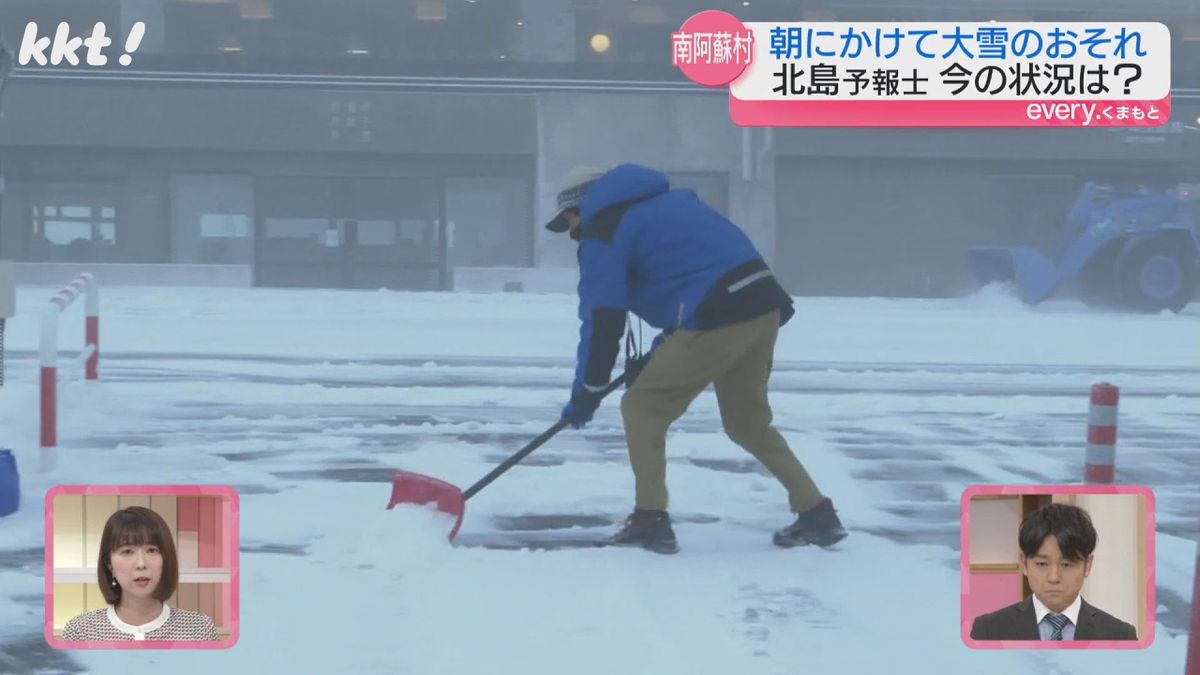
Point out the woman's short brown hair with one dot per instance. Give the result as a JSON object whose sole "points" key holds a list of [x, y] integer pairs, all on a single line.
{"points": [[137, 526]]}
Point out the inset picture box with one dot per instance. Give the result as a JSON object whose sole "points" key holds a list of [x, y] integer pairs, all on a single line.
{"points": [[1057, 567], [141, 567]]}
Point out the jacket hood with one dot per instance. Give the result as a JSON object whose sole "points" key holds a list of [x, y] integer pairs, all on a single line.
{"points": [[624, 183]]}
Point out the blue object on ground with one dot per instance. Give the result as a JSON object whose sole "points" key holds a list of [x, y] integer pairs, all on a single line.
{"points": [[10, 483]]}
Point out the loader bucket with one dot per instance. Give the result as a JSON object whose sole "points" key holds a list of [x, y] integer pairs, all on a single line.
{"points": [[415, 488], [1035, 276]]}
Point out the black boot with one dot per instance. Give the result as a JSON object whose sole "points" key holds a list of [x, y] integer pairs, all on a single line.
{"points": [[818, 525], [649, 529]]}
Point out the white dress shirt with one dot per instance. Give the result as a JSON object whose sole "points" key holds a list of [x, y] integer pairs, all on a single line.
{"points": [[1071, 612]]}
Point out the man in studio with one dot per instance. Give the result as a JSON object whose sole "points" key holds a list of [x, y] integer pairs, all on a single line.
{"points": [[1056, 543]]}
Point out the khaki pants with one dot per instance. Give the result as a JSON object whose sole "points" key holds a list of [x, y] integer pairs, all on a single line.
{"points": [[737, 361]]}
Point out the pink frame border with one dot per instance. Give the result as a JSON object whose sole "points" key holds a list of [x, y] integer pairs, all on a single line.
{"points": [[965, 552], [231, 515]]}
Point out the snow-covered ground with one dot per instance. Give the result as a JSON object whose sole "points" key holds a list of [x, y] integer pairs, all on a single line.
{"points": [[307, 401]]}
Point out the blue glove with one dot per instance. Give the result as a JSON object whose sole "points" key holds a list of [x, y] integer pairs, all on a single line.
{"points": [[578, 417], [581, 409]]}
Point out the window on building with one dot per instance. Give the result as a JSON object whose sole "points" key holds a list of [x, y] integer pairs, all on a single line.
{"points": [[356, 31], [212, 218], [488, 222], [47, 14], [73, 223]]}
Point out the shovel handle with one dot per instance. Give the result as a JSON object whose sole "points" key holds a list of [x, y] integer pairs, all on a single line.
{"points": [[533, 445]]}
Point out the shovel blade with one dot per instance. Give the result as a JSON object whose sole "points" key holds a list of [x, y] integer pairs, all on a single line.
{"points": [[415, 488]]}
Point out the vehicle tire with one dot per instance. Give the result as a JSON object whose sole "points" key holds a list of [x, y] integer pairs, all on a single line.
{"points": [[1160, 273]]}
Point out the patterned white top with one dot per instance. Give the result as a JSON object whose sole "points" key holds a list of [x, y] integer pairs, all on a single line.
{"points": [[172, 624]]}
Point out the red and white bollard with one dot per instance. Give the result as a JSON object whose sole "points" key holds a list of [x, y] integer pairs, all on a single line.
{"points": [[48, 349], [1101, 458]]}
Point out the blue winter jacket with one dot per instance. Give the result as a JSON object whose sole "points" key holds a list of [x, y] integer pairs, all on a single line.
{"points": [[666, 256]]}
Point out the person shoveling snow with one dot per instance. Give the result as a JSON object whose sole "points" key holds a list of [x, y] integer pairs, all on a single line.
{"points": [[686, 270]]}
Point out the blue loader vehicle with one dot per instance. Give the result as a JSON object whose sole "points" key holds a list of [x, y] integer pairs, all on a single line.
{"points": [[1132, 249]]}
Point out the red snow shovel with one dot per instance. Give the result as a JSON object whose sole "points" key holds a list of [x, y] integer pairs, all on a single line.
{"points": [[415, 488]]}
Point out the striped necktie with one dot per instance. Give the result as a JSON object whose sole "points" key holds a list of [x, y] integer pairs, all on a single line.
{"points": [[1057, 622]]}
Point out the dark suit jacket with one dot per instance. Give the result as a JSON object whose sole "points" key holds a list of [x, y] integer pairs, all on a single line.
{"points": [[1019, 622]]}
